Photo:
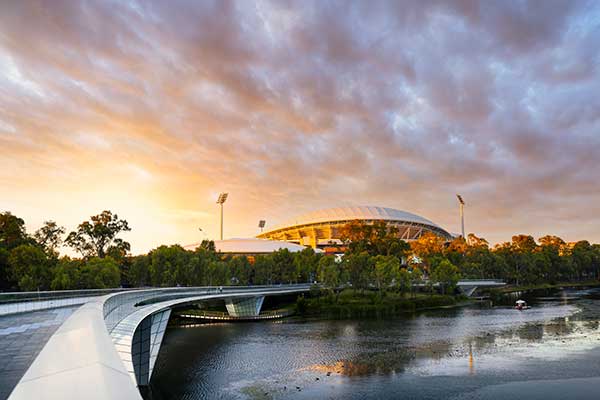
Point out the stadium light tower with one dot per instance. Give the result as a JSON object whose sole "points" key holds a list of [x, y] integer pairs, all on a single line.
{"points": [[221, 200], [462, 214], [261, 224]]}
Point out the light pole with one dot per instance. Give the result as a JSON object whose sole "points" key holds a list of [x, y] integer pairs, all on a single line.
{"points": [[221, 200], [261, 224], [462, 214]]}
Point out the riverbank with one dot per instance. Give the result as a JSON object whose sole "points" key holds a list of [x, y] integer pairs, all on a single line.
{"points": [[351, 303], [542, 286]]}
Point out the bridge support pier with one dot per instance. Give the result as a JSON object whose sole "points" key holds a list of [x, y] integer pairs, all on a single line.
{"points": [[244, 307], [146, 343], [468, 290]]}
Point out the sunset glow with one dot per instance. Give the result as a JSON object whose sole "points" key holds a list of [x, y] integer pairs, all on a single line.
{"points": [[150, 109]]}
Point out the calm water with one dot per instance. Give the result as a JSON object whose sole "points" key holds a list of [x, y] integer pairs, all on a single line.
{"points": [[551, 351]]}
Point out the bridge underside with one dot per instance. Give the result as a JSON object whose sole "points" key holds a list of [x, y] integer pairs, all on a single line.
{"points": [[244, 307]]}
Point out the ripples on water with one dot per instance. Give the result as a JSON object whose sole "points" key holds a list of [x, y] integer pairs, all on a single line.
{"points": [[442, 353]]}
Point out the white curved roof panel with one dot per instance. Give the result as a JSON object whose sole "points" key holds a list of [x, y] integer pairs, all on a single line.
{"points": [[355, 213]]}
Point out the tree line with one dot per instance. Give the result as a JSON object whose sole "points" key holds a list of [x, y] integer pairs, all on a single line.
{"points": [[374, 257]]}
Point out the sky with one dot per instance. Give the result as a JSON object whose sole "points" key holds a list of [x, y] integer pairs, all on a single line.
{"points": [[150, 109]]}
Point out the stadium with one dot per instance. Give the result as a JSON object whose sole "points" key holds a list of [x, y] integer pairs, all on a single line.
{"points": [[321, 229]]}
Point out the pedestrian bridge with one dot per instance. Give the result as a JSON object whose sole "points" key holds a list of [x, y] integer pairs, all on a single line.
{"points": [[469, 287], [108, 347]]}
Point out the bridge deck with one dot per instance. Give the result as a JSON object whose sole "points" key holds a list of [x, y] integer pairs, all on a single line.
{"points": [[22, 337]]}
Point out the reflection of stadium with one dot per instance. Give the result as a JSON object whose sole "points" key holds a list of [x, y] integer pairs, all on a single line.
{"points": [[320, 228]]}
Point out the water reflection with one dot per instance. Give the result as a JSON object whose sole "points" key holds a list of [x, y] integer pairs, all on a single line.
{"points": [[439, 352]]}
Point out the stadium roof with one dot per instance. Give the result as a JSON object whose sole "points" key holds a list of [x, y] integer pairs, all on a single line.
{"points": [[355, 213]]}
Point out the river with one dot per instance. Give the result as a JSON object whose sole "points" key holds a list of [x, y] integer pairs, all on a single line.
{"points": [[551, 351]]}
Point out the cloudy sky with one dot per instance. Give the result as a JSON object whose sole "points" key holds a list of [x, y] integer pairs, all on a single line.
{"points": [[150, 109]]}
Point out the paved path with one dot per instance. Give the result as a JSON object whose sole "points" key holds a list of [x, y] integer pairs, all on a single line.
{"points": [[22, 337]]}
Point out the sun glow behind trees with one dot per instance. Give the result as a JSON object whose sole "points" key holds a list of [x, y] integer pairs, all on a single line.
{"points": [[374, 258]]}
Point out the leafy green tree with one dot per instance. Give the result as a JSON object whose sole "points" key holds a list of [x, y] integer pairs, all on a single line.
{"points": [[359, 269], [12, 234], [12, 231], [96, 237], [387, 269], [283, 266], [328, 272], [240, 271], [582, 257], [446, 275], [30, 268], [139, 273], [306, 262], [49, 236], [168, 266], [100, 273], [218, 273], [415, 277], [263, 270], [403, 280], [66, 275]]}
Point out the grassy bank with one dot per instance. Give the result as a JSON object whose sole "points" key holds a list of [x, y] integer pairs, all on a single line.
{"points": [[369, 304]]}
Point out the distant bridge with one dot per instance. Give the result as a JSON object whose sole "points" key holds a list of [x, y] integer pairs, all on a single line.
{"points": [[468, 287], [109, 345]]}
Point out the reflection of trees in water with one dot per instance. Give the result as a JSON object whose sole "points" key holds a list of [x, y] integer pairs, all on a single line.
{"points": [[591, 325], [559, 327], [381, 363], [531, 332]]}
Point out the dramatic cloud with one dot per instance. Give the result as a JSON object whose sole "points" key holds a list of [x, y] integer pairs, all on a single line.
{"points": [[150, 108]]}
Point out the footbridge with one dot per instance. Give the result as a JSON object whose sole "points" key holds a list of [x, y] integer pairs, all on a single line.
{"points": [[108, 347], [468, 287]]}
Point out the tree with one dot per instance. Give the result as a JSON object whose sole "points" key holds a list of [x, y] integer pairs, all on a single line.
{"points": [[283, 266], [552, 248], [446, 275], [328, 272], [67, 274], [100, 273], [416, 277], [387, 269], [29, 267], [97, 236], [377, 238], [12, 234], [306, 262], [403, 280], [49, 236], [429, 245], [168, 266], [139, 273], [239, 271], [456, 250], [263, 270], [12, 231], [359, 268]]}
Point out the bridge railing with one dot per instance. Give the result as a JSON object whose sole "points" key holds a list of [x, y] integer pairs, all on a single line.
{"points": [[18, 302]]}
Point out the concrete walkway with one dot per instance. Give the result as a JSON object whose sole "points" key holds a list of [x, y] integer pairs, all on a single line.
{"points": [[22, 337]]}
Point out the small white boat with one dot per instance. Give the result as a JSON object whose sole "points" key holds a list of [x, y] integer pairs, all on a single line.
{"points": [[521, 305]]}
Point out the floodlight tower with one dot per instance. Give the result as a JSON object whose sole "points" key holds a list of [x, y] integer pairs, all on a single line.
{"points": [[261, 224], [221, 200], [462, 214]]}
